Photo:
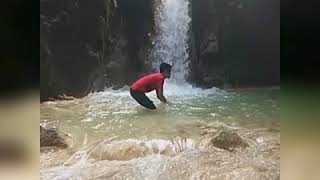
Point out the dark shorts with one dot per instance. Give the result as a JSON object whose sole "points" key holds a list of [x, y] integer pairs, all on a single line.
{"points": [[142, 99]]}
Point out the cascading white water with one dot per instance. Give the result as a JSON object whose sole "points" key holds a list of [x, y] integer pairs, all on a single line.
{"points": [[172, 23]]}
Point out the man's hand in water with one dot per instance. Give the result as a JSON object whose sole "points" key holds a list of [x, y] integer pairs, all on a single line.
{"points": [[169, 103], [163, 99], [160, 96]]}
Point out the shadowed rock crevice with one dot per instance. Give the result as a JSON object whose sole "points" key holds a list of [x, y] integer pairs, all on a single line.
{"points": [[235, 43]]}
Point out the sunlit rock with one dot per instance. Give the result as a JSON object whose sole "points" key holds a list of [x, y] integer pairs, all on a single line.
{"points": [[229, 140], [52, 137]]}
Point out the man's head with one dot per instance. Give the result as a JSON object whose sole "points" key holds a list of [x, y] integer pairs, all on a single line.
{"points": [[165, 69]]}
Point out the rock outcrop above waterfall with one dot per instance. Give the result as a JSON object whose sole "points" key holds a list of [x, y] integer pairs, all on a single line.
{"points": [[53, 137]]}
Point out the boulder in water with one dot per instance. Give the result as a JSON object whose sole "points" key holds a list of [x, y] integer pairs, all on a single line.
{"points": [[52, 137], [120, 151], [228, 140]]}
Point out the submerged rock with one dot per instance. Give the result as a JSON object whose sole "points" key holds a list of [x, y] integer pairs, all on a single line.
{"points": [[228, 140], [52, 137], [132, 148], [121, 151]]}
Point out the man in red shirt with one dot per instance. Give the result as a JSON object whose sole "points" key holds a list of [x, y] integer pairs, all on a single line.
{"points": [[149, 83]]}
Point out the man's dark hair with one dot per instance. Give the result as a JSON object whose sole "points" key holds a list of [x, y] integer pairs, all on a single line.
{"points": [[165, 66]]}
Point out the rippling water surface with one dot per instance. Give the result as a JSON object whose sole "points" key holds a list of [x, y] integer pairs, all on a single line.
{"points": [[115, 138]]}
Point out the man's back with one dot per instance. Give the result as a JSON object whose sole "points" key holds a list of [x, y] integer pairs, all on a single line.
{"points": [[148, 83]]}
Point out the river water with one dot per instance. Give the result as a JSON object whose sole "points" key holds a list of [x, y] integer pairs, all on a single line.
{"points": [[115, 138], [112, 137]]}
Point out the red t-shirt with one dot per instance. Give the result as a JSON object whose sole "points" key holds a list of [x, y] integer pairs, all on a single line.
{"points": [[149, 83]]}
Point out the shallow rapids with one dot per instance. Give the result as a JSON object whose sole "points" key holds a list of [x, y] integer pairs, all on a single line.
{"points": [[115, 138]]}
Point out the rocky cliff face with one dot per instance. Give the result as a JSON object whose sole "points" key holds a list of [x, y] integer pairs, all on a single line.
{"points": [[88, 45], [235, 42]]}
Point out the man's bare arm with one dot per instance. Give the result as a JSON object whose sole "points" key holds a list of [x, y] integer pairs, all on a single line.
{"points": [[160, 96]]}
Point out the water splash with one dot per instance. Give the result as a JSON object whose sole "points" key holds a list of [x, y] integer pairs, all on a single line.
{"points": [[171, 46], [187, 90]]}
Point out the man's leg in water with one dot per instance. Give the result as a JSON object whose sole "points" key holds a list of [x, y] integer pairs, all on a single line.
{"points": [[142, 99]]}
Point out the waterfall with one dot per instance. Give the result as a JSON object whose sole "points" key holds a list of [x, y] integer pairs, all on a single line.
{"points": [[172, 22]]}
